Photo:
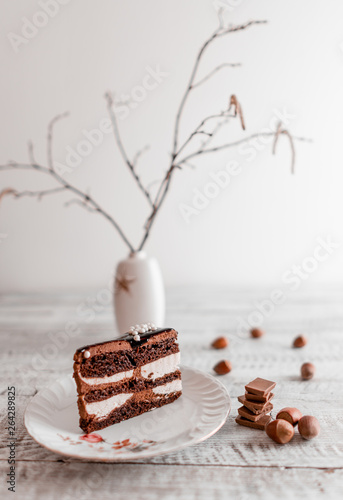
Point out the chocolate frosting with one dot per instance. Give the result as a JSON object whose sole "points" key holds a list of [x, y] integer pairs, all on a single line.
{"points": [[144, 337]]}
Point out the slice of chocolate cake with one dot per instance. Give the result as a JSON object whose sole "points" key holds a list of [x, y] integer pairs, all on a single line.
{"points": [[125, 377]]}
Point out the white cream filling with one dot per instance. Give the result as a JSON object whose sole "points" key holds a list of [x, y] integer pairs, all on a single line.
{"points": [[174, 386], [156, 369], [161, 367], [108, 379], [100, 409]]}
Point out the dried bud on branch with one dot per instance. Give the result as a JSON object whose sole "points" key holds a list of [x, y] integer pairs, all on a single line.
{"points": [[234, 103], [6, 192], [278, 132]]}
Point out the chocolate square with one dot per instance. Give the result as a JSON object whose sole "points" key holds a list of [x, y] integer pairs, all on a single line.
{"points": [[259, 399], [260, 386], [256, 408], [249, 415], [260, 424]]}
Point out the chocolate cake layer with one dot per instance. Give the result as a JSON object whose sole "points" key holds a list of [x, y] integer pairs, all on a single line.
{"points": [[99, 410], [109, 364], [129, 410], [129, 386], [126, 342], [115, 361], [150, 371]]}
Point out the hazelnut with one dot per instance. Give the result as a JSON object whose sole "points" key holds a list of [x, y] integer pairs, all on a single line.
{"points": [[220, 343], [223, 367], [307, 371], [292, 415], [300, 341], [256, 333], [280, 431], [308, 427]]}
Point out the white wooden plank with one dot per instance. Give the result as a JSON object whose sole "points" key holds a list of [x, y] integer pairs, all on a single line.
{"points": [[67, 481]]}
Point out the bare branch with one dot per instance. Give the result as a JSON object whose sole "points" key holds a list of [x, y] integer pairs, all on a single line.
{"points": [[220, 31], [189, 164], [236, 143], [153, 183], [188, 90], [201, 124], [213, 72], [35, 194], [239, 27], [220, 17], [82, 203], [38, 194], [165, 184], [193, 134], [163, 189], [122, 149], [11, 165], [139, 153], [116, 131], [50, 138], [31, 153], [167, 179], [123, 100], [67, 187], [208, 132], [216, 129]]}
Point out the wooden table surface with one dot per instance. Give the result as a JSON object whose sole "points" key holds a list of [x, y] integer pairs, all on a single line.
{"points": [[236, 462]]}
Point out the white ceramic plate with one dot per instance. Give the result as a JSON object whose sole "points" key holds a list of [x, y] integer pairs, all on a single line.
{"points": [[51, 418]]}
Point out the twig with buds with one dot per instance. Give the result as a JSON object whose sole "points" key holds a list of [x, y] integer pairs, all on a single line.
{"points": [[130, 164], [208, 129], [234, 105]]}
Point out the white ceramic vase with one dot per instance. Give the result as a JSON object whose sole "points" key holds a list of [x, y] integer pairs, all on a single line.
{"points": [[138, 292]]}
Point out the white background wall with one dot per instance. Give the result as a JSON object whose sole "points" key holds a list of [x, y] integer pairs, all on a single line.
{"points": [[265, 221]]}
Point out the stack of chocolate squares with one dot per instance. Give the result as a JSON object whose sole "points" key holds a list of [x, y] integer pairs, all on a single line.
{"points": [[256, 404]]}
